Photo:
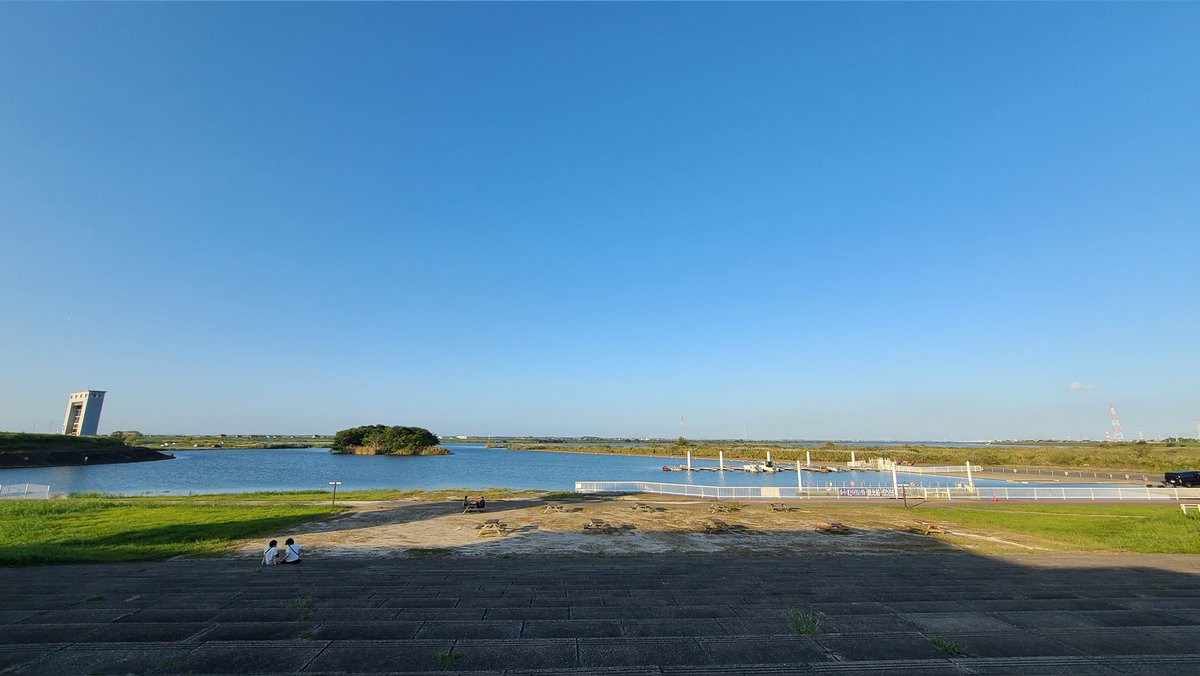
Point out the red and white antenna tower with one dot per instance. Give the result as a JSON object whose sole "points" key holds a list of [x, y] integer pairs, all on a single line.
{"points": [[1116, 424]]}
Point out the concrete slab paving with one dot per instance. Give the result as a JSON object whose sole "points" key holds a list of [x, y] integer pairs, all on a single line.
{"points": [[958, 622], [122, 660], [10, 656], [763, 649], [217, 658], [608, 652], [698, 614], [1139, 618], [46, 633], [382, 656], [1036, 666], [570, 628], [444, 614], [259, 631], [156, 615], [364, 631], [1007, 645], [77, 616], [1122, 642], [866, 624], [519, 654], [135, 632], [883, 647], [527, 613], [466, 629]]}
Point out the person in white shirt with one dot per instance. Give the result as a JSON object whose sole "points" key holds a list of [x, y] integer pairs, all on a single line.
{"points": [[291, 552], [271, 553]]}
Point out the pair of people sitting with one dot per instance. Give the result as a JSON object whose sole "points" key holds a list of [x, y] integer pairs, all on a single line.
{"points": [[289, 554], [468, 503]]}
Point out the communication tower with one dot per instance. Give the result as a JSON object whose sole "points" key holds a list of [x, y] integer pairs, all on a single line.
{"points": [[1116, 424]]}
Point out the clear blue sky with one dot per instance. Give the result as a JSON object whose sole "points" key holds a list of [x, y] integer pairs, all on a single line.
{"points": [[862, 221]]}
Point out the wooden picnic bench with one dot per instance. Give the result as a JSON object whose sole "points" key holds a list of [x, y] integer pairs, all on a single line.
{"points": [[719, 526], [783, 507], [1188, 506], [927, 527], [723, 507], [473, 506], [491, 528], [554, 508], [598, 526], [643, 507], [834, 528]]}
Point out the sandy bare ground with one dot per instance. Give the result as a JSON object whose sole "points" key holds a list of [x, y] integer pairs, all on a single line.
{"points": [[423, 528]]}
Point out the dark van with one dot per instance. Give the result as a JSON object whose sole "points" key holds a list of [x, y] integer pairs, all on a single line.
{"points": [[1184, 478]]}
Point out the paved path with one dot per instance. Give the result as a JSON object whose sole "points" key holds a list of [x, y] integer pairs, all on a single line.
{"points": [[691, 615]]}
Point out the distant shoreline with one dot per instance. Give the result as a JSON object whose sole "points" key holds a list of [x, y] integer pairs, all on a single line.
{"points": [[78, 458]]}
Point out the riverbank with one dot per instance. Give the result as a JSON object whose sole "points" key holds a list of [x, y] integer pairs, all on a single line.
{"points": [[432, 523], [684, 527], [21, 450]]}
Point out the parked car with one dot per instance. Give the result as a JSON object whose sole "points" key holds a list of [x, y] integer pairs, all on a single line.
{"points": [[1185, 478]]}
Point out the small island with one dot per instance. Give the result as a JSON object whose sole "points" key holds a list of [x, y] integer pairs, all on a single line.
{"points": [[21, 449], [387, 440]]}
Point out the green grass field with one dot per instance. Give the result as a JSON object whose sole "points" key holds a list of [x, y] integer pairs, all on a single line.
{"points": [[95, 530], [1118, 528]]}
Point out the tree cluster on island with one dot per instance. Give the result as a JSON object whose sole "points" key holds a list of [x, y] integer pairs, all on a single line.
{"points": [[387, 440]]}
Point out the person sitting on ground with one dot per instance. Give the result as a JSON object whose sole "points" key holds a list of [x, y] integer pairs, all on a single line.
{"points": [[270, 553], [291, 552]]}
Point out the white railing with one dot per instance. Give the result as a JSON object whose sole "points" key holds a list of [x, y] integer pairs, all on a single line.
{"points": [[930, 469], [1075, 474], [28, 491], [919, 492]]}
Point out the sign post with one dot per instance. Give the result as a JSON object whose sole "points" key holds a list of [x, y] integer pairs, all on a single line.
{"points": [[335, 484]]}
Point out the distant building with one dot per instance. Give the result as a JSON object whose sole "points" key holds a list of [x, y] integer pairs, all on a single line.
{"points": [[83, 413]]}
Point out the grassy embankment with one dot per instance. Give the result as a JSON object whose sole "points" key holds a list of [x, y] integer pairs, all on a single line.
{"points": [[78, 530], [97, 528], [21, 449], [27, 442], [1114, 528], [1010, 527], [1131, 456]]}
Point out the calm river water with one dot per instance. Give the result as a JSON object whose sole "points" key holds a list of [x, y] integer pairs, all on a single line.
{"points": [[470, 466]]}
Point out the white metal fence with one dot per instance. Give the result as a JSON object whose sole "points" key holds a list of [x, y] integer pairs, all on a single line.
{"points": [[1058, 474], [918, 492], [28, 491]]}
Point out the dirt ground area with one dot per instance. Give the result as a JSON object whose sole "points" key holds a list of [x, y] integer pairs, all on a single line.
{"points": [[657, 526]]}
